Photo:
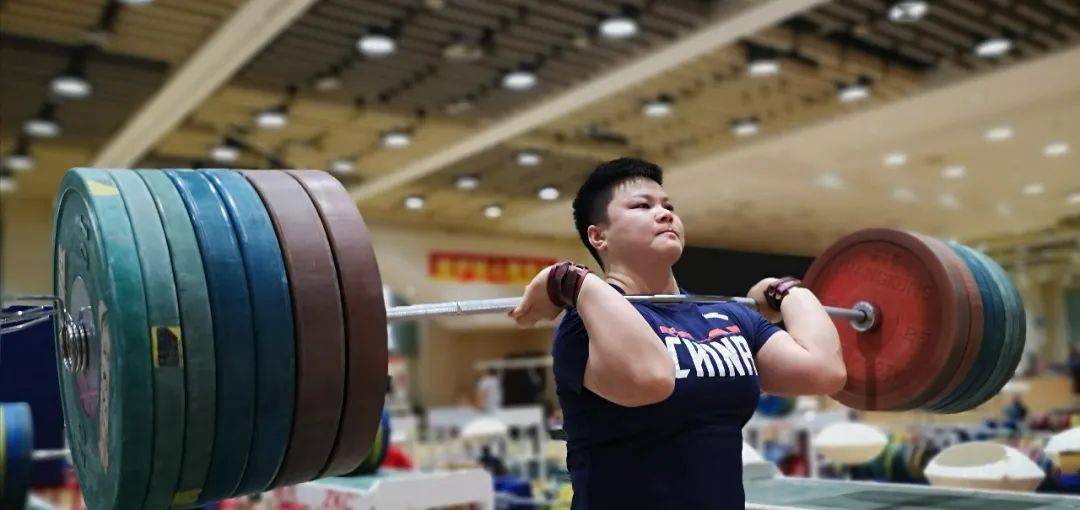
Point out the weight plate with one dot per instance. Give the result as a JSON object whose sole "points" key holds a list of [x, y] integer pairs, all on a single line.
{"points": [[197, 324], [365, 318], [234, 341], [993, 338], [275, 358], [16, 450], [973, 338], [108, 404], [923, 313], [165, 333], [320, 327], [1015, 329]]}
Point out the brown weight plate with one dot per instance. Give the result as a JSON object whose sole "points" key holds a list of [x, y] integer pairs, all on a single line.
{"points": [[365, 319], [975, 318], [923, 313], [319, 323]]}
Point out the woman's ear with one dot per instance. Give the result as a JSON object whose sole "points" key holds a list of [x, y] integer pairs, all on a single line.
{"points": [[597, 238]]}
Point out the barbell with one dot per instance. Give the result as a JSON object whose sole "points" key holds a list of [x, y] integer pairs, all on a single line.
{"points": [[17, 453], [224, 332]]}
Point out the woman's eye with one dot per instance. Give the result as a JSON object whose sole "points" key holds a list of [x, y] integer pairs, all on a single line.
{"points": [[641, 206], [670, 207]]}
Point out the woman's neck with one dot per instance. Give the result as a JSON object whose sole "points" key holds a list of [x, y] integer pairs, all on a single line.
{"points": [[636, 281]]}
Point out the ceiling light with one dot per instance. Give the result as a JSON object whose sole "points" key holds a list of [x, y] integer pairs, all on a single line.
{"points": [[20, 159], [376, 45], [1035, 188], [327, 82], [467, 181], [953, 171], [763, 67], [528, 158], [1056, 149], [993, 47], [414, 202], [1073, 198], [656, 108], [1004, 209], [999, 134], [462, 50], [852, 92], [396, 139], [459, 106], [70, 86], [493, 211], [829, 181], [894, 159], [343, 166], [620, 26], [745, 127], [519, 79], [43, 125], [904, 195], [272, 118], [908, 11], [225, 152], [7, 182], [548, 193], [949, 201]]}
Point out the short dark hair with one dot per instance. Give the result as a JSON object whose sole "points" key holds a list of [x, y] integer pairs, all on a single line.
{"points": [[590, 204]]}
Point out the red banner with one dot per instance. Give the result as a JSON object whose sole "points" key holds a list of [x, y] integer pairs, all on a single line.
{"points": [[472, 267]]}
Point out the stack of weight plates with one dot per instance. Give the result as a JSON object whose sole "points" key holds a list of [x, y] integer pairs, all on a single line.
{"points": [[235, 332], [950, 330]]}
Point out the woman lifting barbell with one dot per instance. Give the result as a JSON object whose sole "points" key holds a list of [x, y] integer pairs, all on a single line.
{"points": [[640, 434]]}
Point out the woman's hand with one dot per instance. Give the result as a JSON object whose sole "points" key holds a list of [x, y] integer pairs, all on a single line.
{"points": [[757, 293], [535, 304]]}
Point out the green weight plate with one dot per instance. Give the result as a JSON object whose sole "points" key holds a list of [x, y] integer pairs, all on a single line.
{"points": [[16, 448], [1015, 328], [993, 341], [166, 337], [379, 447], [275, 352], [234, 338], [109, 402], [197, 325]]}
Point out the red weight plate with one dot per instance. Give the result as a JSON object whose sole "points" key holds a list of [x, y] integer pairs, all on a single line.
{"points": [[365, 319], [318, 320], [975, 318], [922, 314]]}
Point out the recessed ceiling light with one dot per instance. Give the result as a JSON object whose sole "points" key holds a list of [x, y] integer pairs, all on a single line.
{"points": [[852, 92], [1056, 149], [904, 195], [894, 159], [493, 211], [71, 86], [745, 127], [7, 182], [829, 181], [396, 139], [467, 181], [993, 47], [999, 134], [656, 108], [519, 79], [376, 45], [1073, 198], [42, 128], [953, 171], [342, 166], [19, 161], [528, 158], [548, 193], [272, 118], [1004, 209], [949, 201], [225, 152], [763, 67], [908, 11], [414, 202], [618, 27], [1035, 188], [327, 82]]}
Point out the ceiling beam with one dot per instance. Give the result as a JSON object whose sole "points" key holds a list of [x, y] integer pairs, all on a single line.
{"points": [[727, 29], [250, 28]]}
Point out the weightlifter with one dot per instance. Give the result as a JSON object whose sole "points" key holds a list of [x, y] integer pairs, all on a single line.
{"points": [[655, 396]]}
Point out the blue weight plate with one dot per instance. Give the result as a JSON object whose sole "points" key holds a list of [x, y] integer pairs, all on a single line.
{"points": [[234, 337], [16, 448], [166, 337], [274, 340], [197, 325], [107, 394], [1015, 326], [991, 348]]}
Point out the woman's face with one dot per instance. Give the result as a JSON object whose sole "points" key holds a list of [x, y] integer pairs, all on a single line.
{"points": [[642, 225]]}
